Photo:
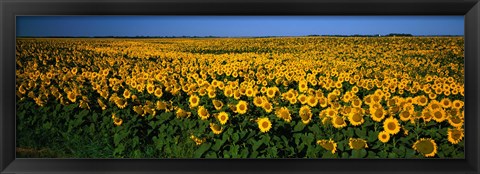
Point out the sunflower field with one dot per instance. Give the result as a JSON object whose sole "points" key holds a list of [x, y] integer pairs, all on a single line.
{"points": [[279, 97]]}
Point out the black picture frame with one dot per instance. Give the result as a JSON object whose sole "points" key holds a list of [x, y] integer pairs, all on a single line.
{"points": [[11, 8]]}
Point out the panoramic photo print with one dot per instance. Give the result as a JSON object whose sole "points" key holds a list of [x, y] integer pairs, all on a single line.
{"points": [[240, 87]]}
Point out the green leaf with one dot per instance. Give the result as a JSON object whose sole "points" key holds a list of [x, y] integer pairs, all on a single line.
{"points": [[361, 133], [315, 129], [211, 155], [392, 155], [202, 149], [410, 153], [256, 145], [254, 154], [382, 154], [235, 137], [328, 154], [117, 138], [372, 136], [371, 154], [299, 127], [218, 144], [361, 153], [345, 155]]}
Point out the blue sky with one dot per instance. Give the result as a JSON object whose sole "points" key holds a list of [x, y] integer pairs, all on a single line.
{"points": [[236, 26]]}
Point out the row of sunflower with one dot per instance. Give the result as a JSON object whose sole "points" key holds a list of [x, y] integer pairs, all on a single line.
{"points": [[264, 97]]}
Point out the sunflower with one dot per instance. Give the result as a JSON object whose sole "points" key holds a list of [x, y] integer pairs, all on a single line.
{"points": [[237, 94], [101, 104], [258, 101], [127, 94], [356, 103], [194, 101], [439, 115], [455, 121], [421, 100], [302, 86], [267, 106], [228, 92], [368, 100], [150, 88], [212, 93], [378, 114], [271, 92], [455, 135], [302, 98], [355, 118], [216, 129], [242, 107], [121, 103], [338, 122], [182, 113], [405, 115], [158, 92], [222, 117], [384, 136], [197, 141], [217, 104], [446, 103], [391, 125], [284, 114], [426, 115], [457, 104], [355, 89], [329, 145], [305, 114], [202, 91], [117, 121], [434, 104], [264, 124], [330, 112], [203, 113], [312, 101], [72, 96], [160, 105], [323, 102], [425, 146], [357, 143], [250, 92], [139, 110]]}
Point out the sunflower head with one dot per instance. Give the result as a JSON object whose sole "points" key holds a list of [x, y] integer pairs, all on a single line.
{"points": [[158, 92], [391, 126], [242, 107], [357, 143], [121, 102], [203, 113], [217, 104], [194, 101], [439, 115], [355, 118], [305, 114], [338, 122], [312, 101], [264, 124], [257, 101], [377, 114], [384, 136], [329, 145], [455, 135], [284, 114], [222, 117], [216, 129], [426, 146], [267, 106]]}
